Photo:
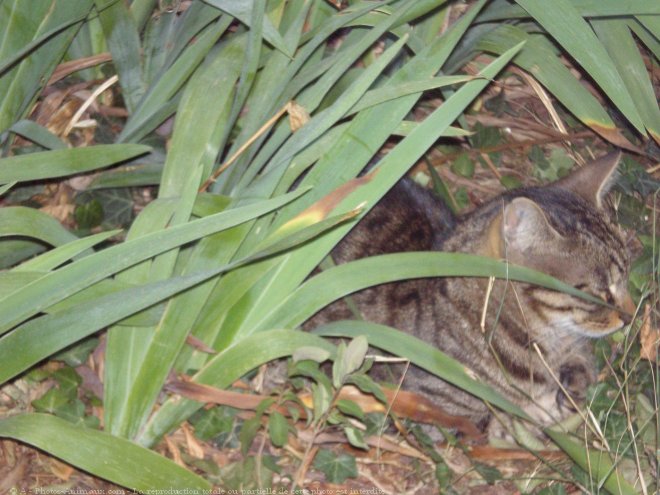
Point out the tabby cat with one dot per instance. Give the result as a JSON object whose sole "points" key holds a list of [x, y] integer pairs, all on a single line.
{"points": [[562, 229]]}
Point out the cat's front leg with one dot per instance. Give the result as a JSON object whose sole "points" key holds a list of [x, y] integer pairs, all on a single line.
{"points": [[575, 376]]}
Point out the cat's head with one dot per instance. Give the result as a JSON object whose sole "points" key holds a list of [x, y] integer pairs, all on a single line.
{"points": [[565, 230]]}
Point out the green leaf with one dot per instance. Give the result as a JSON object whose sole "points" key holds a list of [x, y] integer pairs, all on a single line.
{"points": [[597, 463], [344, 279], [278, 429], [68, 380], [321, 397], [51, 401], [368, 386], [78, 354], [55, 286], [312, 353], [73, 412], [55, 257], [510, 182], [311, 370], [210, 423], [463, 166], [443, 474], [355, 438], [242, 10], [89, 215], [355, 354], [122, 38], [506, 11], [349, 358], [123, 463], [37, 134], [30, 222], [350, 408], [337, 468], [572, 32], [60, 163], [248, 433], [489, 473]]}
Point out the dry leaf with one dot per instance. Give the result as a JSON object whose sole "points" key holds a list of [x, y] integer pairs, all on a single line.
{"points": [[60, 212], [298, 116], [61, 470], [174, 451], [648, 337], [199, 345], [406, 404], [195, 449]]}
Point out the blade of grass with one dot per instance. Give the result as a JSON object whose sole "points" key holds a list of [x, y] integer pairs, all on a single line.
{"points": [[52, 259], [29, 222], [118, 462], [23, 23], [373, 187], [596, 463], [622, 47], [342, 280], [377, 96], [242, 11], [37, 134], [70, 279], [122, 37], [501, 10], [421, 354], [554, 76], [181, 313], [573, 33], [148, 113], [645, 36], [60, 163]]}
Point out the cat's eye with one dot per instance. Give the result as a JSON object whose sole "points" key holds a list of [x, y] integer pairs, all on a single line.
{"points": [[609, 298]]}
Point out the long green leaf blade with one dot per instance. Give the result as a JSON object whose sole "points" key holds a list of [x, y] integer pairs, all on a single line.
{"points": [[622, 47], [122, 37], [111, 458], [241, 10], [596, 463], [572, 32], [29, 222], [422, 354], [74, 277], [347, 278], [64, 162]]}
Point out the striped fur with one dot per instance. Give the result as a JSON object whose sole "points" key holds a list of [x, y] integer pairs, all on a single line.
{"points": [[562, 229]]}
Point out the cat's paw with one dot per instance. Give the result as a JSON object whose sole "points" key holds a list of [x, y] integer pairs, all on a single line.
{"points": [[575, 377]]}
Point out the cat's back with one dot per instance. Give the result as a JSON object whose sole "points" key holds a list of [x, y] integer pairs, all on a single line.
{"points": [[408, 218]]}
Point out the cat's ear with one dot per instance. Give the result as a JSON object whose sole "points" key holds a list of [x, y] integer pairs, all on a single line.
{"points": [[594, 180], [524, 225]]}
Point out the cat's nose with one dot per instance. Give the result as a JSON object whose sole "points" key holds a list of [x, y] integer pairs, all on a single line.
{"points": [[628, 309]]}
